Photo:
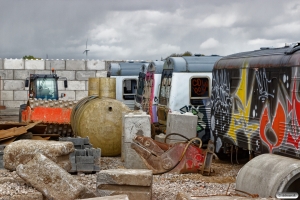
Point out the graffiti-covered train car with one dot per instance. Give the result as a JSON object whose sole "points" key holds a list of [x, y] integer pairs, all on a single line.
{"points": [[256, 101], [186, 87], [147, 92], [126, 74]]}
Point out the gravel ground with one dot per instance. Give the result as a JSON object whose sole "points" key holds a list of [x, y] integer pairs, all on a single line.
{"points": [[165, 186]]}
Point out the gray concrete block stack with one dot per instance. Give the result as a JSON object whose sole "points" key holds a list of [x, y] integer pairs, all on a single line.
{"points": [[85, 158], [134, 124], [1, 156]]}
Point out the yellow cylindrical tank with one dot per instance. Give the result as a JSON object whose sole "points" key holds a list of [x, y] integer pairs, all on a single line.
{"points": [[107, 87], [101, 120], [94, 85]]}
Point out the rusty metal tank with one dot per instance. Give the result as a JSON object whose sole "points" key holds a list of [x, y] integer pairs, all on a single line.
{"points": [[107, 87], [93, 88], [100, 119]]}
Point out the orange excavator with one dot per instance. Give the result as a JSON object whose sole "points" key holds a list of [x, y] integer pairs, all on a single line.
{"points": [[44, 104]]}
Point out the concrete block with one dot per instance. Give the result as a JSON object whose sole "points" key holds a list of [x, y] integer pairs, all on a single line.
{"points": [[7, 95], [132, 160], [84, 159], [81, 94], [83, 167], [22, 74], [13, 84], [136, 177], [13, 64], [76, 85], [95, 65], [101, 73], [60, 85], [114, 197], [137, 183], [20, 95], [97, 168], [80, 152], [73, 168], [70, 75], [185, 124], [13, 104], [84, 75], [70, 95], [136, 124], [75, 141], [55, 64], [75, 64], [86, 140], [35, 64], [6, 74]]}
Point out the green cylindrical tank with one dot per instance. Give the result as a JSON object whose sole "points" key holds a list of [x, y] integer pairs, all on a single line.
{"points": [[107, 87], [94, 86], [101, 120]]}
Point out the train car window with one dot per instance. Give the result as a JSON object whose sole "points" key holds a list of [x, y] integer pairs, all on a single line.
{"points": [[199, 90], [129, 89]]}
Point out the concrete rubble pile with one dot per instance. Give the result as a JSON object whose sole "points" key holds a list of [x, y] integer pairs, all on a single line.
{"points": [[44, 165]]}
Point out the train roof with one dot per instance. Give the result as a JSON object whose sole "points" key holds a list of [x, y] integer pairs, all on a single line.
{"points": [[191, 63], [264, 57], [156, 67], [127, 68]]}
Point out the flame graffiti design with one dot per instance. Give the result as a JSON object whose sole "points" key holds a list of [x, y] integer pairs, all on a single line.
{"points": [[275, 126]]}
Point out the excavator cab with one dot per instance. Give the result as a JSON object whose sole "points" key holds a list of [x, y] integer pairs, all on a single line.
{"points": [[44, 86]]}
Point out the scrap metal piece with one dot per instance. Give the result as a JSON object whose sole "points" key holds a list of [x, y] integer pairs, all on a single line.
{"points": [[183, 157]]}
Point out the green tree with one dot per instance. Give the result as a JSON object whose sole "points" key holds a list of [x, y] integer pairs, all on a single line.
{"points": [[187, 53], [30, 57]]}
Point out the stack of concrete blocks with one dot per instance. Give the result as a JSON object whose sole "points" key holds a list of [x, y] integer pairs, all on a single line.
{"points": [[134, 124], [1, 156], [85, 158], [13, 73], [135, 183], [184, 124]]}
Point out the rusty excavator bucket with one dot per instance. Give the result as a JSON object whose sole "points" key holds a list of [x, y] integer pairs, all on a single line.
{"points": [[182, 157]]}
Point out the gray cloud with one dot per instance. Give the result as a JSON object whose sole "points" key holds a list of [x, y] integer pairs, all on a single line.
{"points": [[143, 30]]}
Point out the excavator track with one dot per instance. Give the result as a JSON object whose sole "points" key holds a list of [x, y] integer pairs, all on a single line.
{"points": [[55, 114]]}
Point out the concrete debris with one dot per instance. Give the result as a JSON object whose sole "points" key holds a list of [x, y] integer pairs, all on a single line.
{"points": [[22, 151], [51, 180], [136, 183], [114, 197], [134, 124], [85, 158]]}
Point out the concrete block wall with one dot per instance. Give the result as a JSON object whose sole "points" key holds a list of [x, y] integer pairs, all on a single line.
{"points": [[13, 73]]}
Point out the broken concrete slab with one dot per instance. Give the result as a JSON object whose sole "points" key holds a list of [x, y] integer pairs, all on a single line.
{"points": [[136, 183], [22, 151], [52, 180], [114, 197]]}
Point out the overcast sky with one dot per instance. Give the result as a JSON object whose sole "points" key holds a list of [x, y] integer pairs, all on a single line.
{"points": [[143, 30]]}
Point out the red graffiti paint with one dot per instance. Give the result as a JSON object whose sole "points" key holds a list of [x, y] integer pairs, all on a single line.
{"points": [[276, 127]]}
